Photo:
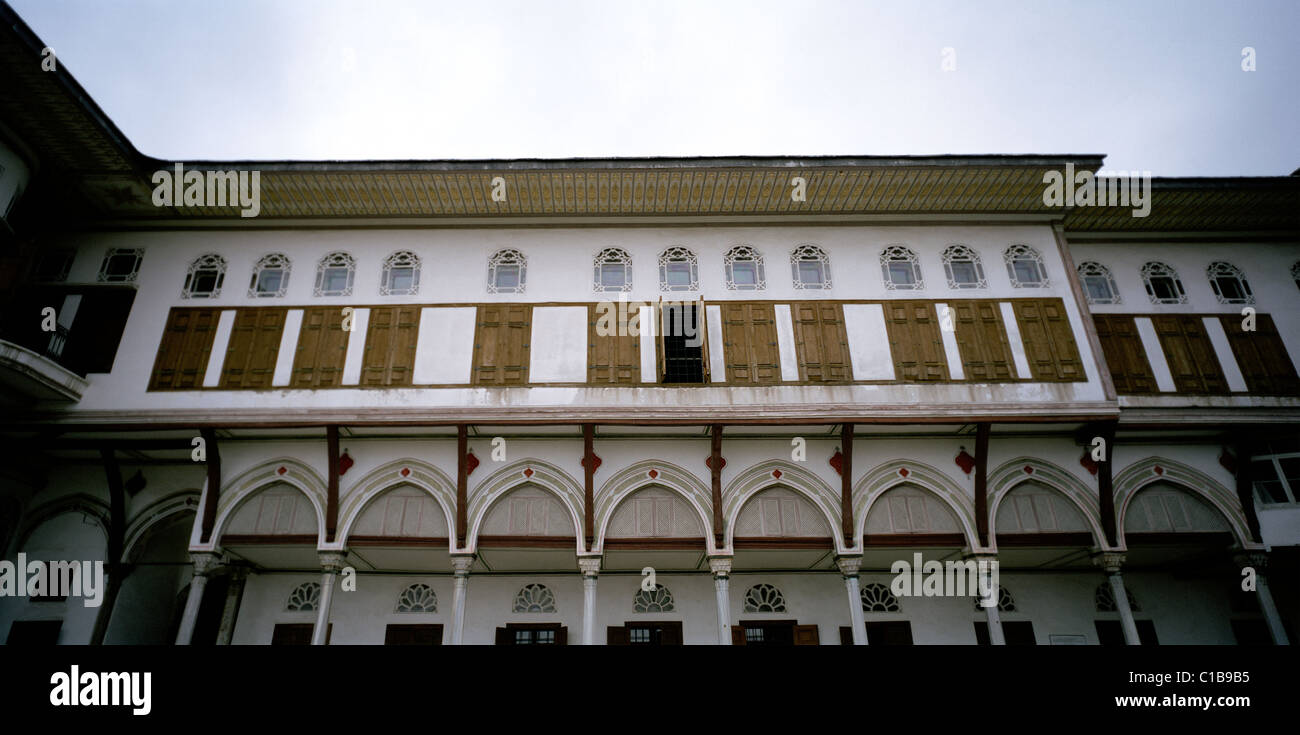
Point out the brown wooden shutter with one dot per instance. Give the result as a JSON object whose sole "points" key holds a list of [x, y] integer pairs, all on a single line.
{"points": [[806, 635], [1262, 356], [749, 343], [821, 342], [501, 344], [562, 637], [1048, 339], [183, 355], [418, 634], [846, 635], [254, 345], [615, 357], [1191, 358], [1125, 355], [322, 349], [616, 635], [390, 345], [915, 342], [737, 635], [982, 340]]}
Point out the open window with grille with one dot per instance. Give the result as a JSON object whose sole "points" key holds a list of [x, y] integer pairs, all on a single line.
{"points": [[682, 342]]}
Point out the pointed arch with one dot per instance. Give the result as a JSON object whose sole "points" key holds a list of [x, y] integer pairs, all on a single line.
{"points": [[627, 481], [886, 476], [762, 476], [297, 474], [1011, 474], [91, 506], [544, 475], [153, 517], [380, 480], [1136, 476]]}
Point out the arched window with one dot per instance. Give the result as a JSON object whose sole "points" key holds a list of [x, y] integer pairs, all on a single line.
{"points": [[121, 265], [304, 598], [1105, 599], [401, 274], [764, 598], [534, 598], [507, 271], [270, 276], [744, 268], [963, 268], [1098, 283], [417, 598], [1229, 283], [1162, 284], [613, 271], [678, 270], [657, 600], [334, 274], [900, 269], [877, 597], [1006, 603], [205, 277], [810, 267], [1025, 267]]}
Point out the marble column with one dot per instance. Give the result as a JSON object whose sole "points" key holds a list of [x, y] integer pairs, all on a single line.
{"points": [[331, 564], [1259, 562], [987, 581], [234, 595], [460, 566], [849, 566], [590, 566], [205, 563], [721, 568], [1111, 562]]}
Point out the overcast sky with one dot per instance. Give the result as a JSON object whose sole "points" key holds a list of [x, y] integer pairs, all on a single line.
{"points": [[1157, 86]]}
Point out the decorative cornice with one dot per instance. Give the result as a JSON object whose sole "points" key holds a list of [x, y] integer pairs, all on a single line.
{"points": [[849, 565], [720, 566], [589, 565]]}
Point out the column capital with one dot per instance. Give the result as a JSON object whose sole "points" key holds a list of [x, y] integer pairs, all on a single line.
{"points": [[1111, 561], [205, 562], [589, 565], [1257, 560], [720, 566], [461, 563], [332, 562], [849, 565]]}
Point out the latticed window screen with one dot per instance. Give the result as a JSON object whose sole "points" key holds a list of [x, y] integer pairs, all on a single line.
{"points": [[963, 268], [612, 271], [1006, 603], [810, 267], [204, 279], [764, 598], [534, 598], [655, 512], [1025, 267], [401, 274], [1229, 284], [270, 276], [334, 274], [507, 271], [657, 600], [877, 597], [417, 598], [1098, 284], [900, 269], [121, 265], [744, 268], [1163, 285], [305, 597], [678, 270]]}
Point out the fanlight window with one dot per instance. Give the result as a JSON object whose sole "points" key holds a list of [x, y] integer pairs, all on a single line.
{"points": [[877, 597], [304, 598], [401, 274], [205, 277], [121, 265], [418, 598], [1229, 284], [1105, 599], [1098, 283], [901, 269], [657, 600], [764, 598], [507, 271], [1162, 284], [678, 270], [612, 271], [270, 276], [534, 598], [744, 268], [810, 267], [963, 268], [1025, 267], [334, 274], [1006, 603]]}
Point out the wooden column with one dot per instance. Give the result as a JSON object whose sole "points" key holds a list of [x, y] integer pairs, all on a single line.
{"points": [[462, 484], [332, 490], [214, 484], [846, 483], [982, 483], [1245, 489], [588, 484], [1085, 313], [1105, 482], [715, 471], [116, 534]]}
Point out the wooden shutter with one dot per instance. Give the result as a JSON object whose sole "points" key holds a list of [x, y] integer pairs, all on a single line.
{"points": [[505, 637], [806, 635], [982, 340], [501, 344], [737, 635], [183, 355], [418, 634], [254, 345], [1125, 355], [1049, 341], [670, 633], [322, 349], [821, 342], [390, 345], [914, 341], [616, 635], [614, 357], [297, 634], [562, 636], [749, 343], [1190, 355], [846, 635], [1262, 356]]}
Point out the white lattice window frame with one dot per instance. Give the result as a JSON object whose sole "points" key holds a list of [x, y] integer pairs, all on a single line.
{"points": [[304, 598], [1006, 602], [417, 598], [614, 257], [963, 254], [532, 596], [678, 255], [877, 597], [1093, 269], [900, 254], [657, 600], [1156, 269], [400, 259], [507, 257], [809, 253], [336, 259], [764, 598], [1223, 269], [106, 277], [1104, 598], [206, 263], [270, 261], [1025, 254], [744, 254]]}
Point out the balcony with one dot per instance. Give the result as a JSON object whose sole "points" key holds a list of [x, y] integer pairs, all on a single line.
{"points": [[27, 376]]}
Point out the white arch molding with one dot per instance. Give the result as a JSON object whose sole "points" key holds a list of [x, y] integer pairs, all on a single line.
{"points": [[88, 505], [1011, 474], [544, 475], [388, 476], [760, 477], [1129, 481], [296, 474], [885, 477], [627, 481], [155, 516]]}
